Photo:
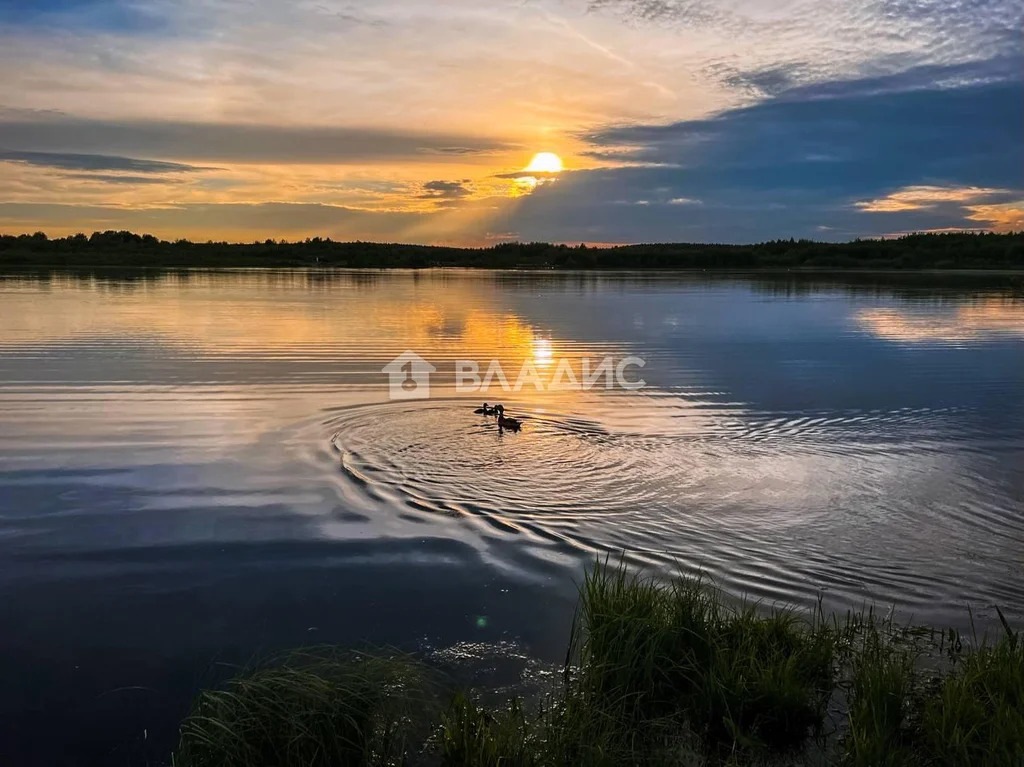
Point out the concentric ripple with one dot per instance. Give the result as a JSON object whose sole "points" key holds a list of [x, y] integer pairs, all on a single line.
{"points": [[778, 506], [441, 456]]}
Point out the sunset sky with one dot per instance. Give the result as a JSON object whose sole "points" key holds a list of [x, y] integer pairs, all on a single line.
{"points": [[415, 120]]}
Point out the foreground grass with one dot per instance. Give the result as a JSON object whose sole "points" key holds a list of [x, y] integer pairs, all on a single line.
{"points": [[656, 674], [315, 708], [972, 714]]}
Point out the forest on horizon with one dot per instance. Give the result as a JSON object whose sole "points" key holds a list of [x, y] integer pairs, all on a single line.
{"points": [[957, 250]]}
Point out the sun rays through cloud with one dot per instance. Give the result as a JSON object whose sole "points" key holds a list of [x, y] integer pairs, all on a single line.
{"points": [[459, 123]]}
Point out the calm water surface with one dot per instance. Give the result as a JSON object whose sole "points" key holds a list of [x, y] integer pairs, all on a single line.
{"points": [[199, 468]]}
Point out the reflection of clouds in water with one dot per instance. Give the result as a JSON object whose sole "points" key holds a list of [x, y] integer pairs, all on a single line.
{"points": [[280, 324], [992, 317], [271, 315]]}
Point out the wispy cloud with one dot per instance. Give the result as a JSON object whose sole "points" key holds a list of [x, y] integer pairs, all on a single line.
{"points": [[925, 196], [86, 162], [824, 39], [110, 178], [1000, 210], [225, 142], [1002, 217]]}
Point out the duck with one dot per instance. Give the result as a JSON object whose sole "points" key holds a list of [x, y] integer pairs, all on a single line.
{"points": [[512, 424], [486, 410]]}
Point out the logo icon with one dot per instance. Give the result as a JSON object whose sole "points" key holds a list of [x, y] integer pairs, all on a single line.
{"points": [[408, 376]]}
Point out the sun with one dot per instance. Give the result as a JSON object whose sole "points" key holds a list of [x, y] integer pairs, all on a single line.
{"points": [[545, 162]]}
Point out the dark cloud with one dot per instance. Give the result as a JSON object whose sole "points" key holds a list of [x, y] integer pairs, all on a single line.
{"points": [[1003, 68], [794, 166], [446, 190], [460, 150], [110, 178], [238, 143], [768, 82], [21, 113], [98, 162], [853, 141]]}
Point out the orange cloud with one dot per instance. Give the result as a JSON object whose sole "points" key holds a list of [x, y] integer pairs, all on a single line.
{"points": [[924, 196], [1003, 217]]}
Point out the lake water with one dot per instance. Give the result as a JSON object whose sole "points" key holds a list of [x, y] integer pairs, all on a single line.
{"points": [[200, 468]]}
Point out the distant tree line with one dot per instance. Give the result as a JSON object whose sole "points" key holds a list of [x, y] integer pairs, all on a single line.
{"points": [[125, 249]]}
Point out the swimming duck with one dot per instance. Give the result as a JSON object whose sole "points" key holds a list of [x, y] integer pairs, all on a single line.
{"points": [[485, 410], [512, 424]]}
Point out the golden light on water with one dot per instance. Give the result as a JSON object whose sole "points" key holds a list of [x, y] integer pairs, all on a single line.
{"points": [[987, 318], [545, 162], [542, 352]]}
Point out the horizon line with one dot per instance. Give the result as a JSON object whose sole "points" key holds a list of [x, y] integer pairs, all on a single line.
{"points": [[151, 239]]}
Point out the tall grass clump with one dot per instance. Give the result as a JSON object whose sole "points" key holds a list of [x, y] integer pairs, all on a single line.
{"points": [[882, 688], [654, 658], [905, 711], [976, 716], [315, 709]]}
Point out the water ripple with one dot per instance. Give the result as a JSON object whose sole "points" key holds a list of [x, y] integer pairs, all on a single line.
{"points": [[778, 506]]}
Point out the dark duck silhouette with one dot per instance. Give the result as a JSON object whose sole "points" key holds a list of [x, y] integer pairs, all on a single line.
{"points": [[512, 424], [486, 410]]}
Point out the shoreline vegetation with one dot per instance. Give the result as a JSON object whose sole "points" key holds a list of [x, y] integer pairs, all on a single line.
{"points": [[959, 250], [656, 673]]}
